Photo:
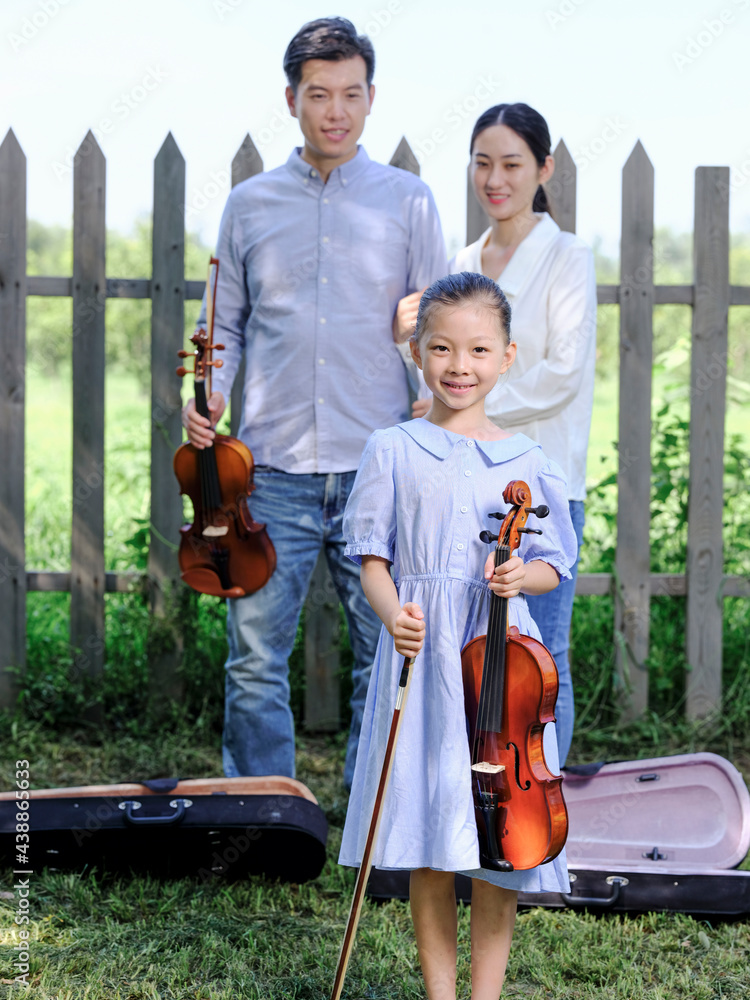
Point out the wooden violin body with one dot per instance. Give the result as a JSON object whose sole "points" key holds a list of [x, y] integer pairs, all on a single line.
{"points": [[510, 689], [224, 552], [531, 821]]}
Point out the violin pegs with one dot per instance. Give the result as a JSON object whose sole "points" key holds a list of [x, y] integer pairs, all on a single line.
{"points": [[530, 531], [184, 371], [185, 354], [218, 347], [487, 536], [218, 364], [498, 515], [541, 511]]}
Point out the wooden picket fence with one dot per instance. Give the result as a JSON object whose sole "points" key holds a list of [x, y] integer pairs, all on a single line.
{"points": [[710, 296]]}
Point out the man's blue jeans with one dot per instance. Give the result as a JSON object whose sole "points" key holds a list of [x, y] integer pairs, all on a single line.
{"points": [[302, 513], [552, 612]]}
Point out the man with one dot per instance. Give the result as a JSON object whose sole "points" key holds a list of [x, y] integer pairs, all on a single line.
{"points": [[314, 258]]}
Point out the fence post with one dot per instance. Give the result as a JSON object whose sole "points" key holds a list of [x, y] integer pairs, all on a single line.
{"points": [[89, 301], [167, 334], [12, 400], [404, 157], [562, 188], [632, 559], [246, 163], [476, 218], [708, 372]]}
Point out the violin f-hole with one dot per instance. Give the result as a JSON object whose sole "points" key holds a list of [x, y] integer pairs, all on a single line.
{"points": [[517, 767]]}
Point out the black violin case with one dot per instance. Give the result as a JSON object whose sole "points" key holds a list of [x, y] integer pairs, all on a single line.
{"points": [[664, 834], [221, 827]]}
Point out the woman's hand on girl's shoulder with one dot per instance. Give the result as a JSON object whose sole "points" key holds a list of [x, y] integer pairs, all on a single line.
{"points": [[506, 580], [408, 630], [405, 319]]}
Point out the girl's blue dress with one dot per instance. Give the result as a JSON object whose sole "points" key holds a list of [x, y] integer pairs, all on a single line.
{"points": [[421, 497]]}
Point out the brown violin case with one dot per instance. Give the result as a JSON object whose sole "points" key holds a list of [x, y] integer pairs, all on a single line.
{"points": [[218, 827], [664, 834]]}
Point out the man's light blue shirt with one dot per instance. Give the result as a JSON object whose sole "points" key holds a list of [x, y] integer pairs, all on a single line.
{"points": [[309, 278]]}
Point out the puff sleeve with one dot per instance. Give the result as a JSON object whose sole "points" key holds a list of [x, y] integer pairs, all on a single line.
{"points": [[370, 515], [557, 545]]}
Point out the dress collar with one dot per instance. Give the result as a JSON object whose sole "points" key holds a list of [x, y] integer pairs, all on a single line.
{"points": [[341, 175], [523, 262], [440, 442]]}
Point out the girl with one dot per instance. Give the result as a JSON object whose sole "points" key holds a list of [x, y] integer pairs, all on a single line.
{"points": [[422, 494], [548, 277]]}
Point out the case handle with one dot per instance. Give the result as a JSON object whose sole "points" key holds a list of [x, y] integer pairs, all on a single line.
{"points": [[177, 816], [615, 881]]}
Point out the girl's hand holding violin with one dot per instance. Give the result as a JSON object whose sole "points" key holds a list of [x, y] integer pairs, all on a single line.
{"points": [[514, 576], [200, 431], [506, 580], [408, 630]]}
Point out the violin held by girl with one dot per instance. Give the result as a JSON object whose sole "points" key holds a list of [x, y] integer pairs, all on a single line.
{"points": [[423, 492]]}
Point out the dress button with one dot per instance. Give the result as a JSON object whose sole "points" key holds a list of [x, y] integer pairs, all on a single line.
{"points": [[467, 472], [460, 545], [325, 201], [322, 319], [313, 173], [321, 361], [325, 239], [321, 400], [464, 510], [470, 443], [324, 281]]}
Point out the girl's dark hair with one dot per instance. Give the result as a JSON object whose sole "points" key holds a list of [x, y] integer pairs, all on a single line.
{"points": [[466, 288], [532, 128], [331, 38]]}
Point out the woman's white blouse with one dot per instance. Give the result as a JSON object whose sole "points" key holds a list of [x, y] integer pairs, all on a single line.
{"points": [[548, 393]]}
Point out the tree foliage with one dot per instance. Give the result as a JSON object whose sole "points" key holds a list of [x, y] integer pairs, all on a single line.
{"points": [[49, 320]]}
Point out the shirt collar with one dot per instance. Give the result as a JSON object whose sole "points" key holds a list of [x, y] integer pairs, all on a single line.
{"points": [[441, 442], [523, 262], [342, 175]]}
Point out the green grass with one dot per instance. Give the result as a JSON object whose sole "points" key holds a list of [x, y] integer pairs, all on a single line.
{"points": [[127, 938]]}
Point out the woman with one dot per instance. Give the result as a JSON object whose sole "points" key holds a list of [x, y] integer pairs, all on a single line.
{"points": [[548, 277]]}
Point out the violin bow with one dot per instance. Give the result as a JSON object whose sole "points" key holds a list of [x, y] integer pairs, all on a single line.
{"points": [[372, 834]]}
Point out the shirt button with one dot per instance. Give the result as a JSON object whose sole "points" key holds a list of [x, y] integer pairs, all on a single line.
{"points": [[321, 400], [313, 173], [325, 201], [322, 319], [344, 182], [470, 443], [467, 472], [321, 361], [460, 545], [324, 281], [306, 181], [325, 239], [464, 510]]}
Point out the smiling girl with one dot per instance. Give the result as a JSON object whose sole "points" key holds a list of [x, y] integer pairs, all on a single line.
{"points": [[423, 492]]}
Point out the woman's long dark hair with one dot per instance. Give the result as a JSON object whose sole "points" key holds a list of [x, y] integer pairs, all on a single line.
{"points": [[532, 128]]}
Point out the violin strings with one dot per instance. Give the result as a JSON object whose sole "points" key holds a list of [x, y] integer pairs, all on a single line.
{"points": [[491, 690]]}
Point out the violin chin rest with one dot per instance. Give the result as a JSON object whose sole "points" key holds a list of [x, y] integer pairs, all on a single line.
{"points": [[206, 581]]}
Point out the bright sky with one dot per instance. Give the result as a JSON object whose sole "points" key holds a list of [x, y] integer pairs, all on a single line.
{"points": [[604, 74]]}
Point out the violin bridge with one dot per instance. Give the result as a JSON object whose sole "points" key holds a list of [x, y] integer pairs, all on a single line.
{"points": [[486, 768], [214, 531]]}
